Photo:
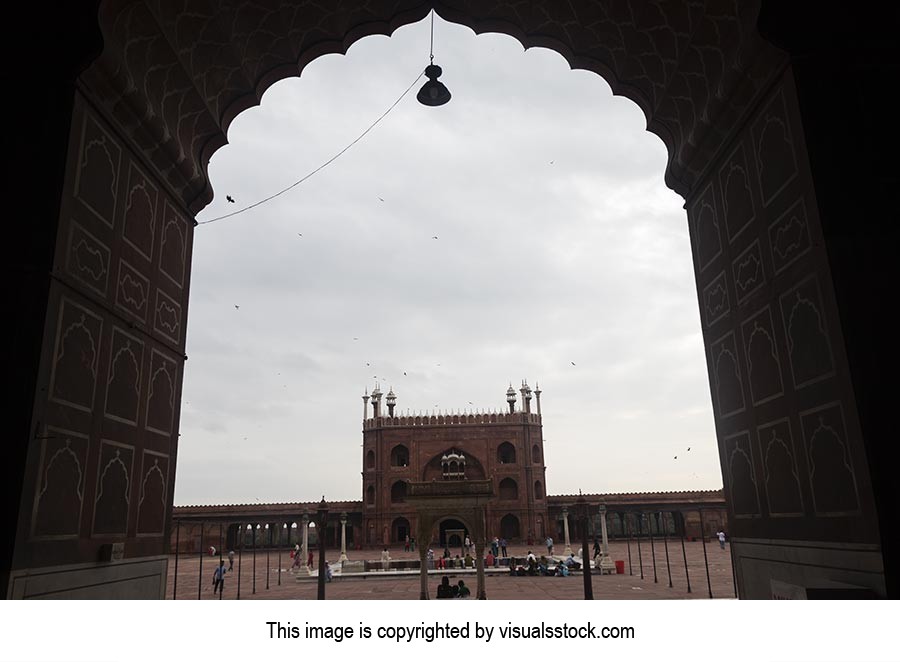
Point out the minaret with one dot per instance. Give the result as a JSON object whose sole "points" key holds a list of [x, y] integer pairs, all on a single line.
{"points": [[391, 401], [527, 398], [524, 403], [511, 399], [376, 401], [366, 404], [537, 395]]}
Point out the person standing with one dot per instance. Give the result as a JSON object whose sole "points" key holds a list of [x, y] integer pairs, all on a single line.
{"points": [[495, 547], [503, 547], [385, 559], [230, 560], [549, 542], [219, 578], [721, 536], [406, 544]]}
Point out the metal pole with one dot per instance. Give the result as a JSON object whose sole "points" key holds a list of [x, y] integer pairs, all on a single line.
{"points": [[586, 560], [268, 547], [254, 560], [175, 581], [221, 544], [280, 543], [666, 544], [320, 532], [733, 569], [240, 556], [705, 559], [684, 554], [652, 548], [627, 521], [200, 573], [639, 532]]}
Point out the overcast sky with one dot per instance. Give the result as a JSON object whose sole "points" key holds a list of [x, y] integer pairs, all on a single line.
{"points": [[558, 242]]}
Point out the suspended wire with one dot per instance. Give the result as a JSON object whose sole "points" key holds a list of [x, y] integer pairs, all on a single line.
{"points": [[431, 48], [328, 162]]}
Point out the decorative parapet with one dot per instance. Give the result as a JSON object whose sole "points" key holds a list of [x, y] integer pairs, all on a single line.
{"points": [[480, 418]]}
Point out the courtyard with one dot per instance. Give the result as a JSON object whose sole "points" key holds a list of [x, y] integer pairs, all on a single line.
{"points": [[498, 585]]}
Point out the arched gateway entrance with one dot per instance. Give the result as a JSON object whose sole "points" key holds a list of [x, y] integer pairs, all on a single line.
{"points": [[770, 125]]}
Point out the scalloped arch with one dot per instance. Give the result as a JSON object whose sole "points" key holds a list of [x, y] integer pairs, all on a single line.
{"points": [[175, 75]]}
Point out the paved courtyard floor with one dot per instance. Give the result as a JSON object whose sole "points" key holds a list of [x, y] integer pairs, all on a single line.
{"points": [[501, 586]]}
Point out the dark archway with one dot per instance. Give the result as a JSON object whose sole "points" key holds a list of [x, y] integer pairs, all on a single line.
{"points": [[400, 456], [400, 529], [734, 111], [508, 490], [398, 491], [506, 453], [453, 540], [509, 527]]}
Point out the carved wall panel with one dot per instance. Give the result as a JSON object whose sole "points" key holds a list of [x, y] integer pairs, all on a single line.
{"points": [[114, 476], [763, 364], [153, 493], [729, 389], [809, 348], [831, 472], [139, 224], [780, 473], [73, 376], [741, 476], [87, 259], [123, 385], [97, 174], [59, 497]]}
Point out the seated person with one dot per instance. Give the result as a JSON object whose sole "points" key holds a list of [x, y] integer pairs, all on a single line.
{"points": [[457, 562], [469, 561], [444, 590], [462, 591], [542, 565], [489, 560], [571, 563], [562, 570]]}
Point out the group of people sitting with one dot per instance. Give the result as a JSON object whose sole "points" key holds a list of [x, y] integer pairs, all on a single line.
{"points": [[543, 566], [447, 590]]}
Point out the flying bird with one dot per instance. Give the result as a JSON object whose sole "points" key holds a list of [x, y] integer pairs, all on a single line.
{"points": [[689, 448], [382, 199], [404, 374], [237, 307], [551, 162], [676, 457], [356, 338], [367, 364], [572, 362], [434, 237], [470, 402], [229, 198], [299, 234]]}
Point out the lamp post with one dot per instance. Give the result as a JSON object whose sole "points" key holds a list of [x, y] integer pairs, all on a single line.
{"points": [[582, 509], [565, 515], [344, 537], [322, 517]]}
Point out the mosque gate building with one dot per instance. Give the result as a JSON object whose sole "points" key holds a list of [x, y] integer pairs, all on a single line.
{"points": [[505, 447]]}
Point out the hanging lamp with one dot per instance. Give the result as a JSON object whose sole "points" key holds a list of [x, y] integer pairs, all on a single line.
{"points": [[433, 92]]}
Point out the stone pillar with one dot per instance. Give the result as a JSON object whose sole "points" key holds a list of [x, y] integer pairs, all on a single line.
{"points": [[304, 551], [565, 514], [343, 537], [606, 563]]}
